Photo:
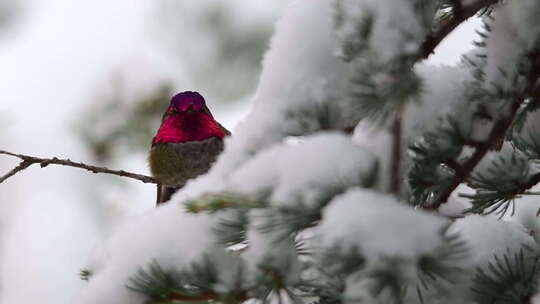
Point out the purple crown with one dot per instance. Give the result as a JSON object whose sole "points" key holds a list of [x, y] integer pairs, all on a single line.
{"points": [[184, 100]]}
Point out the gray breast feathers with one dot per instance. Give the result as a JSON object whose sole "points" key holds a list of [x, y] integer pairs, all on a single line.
{"points": [[175, 163]]}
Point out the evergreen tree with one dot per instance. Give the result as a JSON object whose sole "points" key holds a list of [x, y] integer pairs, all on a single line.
{"points": [[341, 184]]}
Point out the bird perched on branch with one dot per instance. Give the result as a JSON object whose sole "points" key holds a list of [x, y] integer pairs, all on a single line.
{"points": [[186, 144]]}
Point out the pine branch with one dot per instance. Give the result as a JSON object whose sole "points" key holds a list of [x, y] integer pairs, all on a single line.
{"points": [[460, 14], [193, 284], [508, 278], [27, 161], [498, 185], [496, 136]]}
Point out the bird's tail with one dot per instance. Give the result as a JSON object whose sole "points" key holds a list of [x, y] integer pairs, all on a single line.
{"points": [[164, 193]]}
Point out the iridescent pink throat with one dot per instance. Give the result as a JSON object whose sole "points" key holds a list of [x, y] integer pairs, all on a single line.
{"points": [[180, 128]]}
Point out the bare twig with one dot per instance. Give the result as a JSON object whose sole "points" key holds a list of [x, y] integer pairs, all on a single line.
{"points": [[23, 165], [27, 161], [461, 13], [497, 134]]}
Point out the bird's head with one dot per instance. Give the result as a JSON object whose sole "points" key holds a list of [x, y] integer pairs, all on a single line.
{"points": [[187, 102], [187, 119]]}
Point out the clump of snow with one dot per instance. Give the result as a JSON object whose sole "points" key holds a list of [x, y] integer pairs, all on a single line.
{"points": [[275, 250], [395, 30], [456, 205], [305, 171], [167, 235], [299, 71], [443, 92], [502, 50], [302, 77], [377, 141], [487, 236], [379, 226], [359, 292], [301, 81], [302, 172], [232, 273], [525, 17]]}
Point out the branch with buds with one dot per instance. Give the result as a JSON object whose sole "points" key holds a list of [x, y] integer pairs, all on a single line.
{"points": [[28, 160]]}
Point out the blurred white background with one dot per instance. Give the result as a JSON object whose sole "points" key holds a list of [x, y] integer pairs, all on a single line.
{"points": [[88, 80]]}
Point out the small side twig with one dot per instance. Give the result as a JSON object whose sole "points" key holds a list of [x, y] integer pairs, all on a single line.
{"points": [[23, 165], [28, 160]]}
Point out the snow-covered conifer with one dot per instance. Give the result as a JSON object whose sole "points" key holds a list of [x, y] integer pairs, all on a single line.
{"points": [[337, 185]]}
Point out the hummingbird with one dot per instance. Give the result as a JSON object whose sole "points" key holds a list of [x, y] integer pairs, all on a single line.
{"points": [[186, 144]]}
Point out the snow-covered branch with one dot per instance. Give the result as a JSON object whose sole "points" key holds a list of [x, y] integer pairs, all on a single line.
{"points": [[496, 135], [28, 160], [293, 210]]}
